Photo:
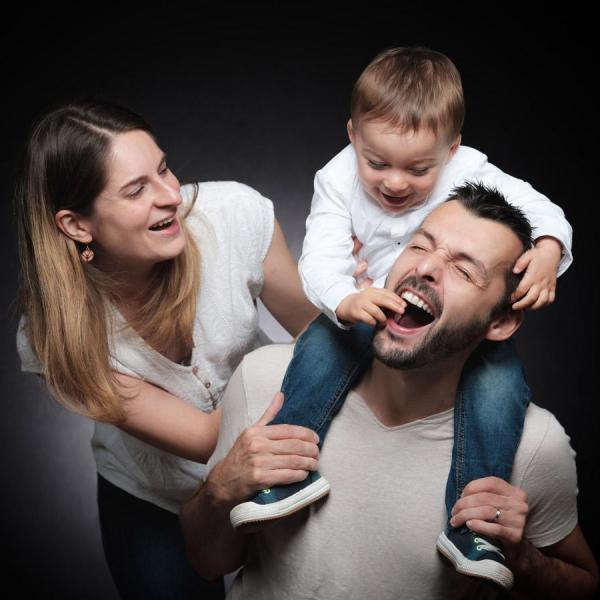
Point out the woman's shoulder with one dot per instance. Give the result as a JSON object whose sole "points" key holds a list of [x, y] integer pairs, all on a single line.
{"points": [[221, 197]]}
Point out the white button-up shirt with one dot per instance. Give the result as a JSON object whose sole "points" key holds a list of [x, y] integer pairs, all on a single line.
{"points": [[341, 208]]}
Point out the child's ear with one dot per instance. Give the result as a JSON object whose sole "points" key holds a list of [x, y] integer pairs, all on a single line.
{"points": [[454, 147], [503, 327], [350, 129]]}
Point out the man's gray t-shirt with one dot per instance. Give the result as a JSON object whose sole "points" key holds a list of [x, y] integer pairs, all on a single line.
{"points": [[374, 535]]}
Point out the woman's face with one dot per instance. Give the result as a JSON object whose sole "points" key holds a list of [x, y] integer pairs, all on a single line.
{"points": [[134, 222]]}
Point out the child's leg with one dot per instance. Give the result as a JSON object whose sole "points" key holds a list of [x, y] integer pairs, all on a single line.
{"points": [[327, 361], [488, 421]]}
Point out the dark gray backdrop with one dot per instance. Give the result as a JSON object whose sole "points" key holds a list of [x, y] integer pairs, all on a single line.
{"points": [[259, 93]]}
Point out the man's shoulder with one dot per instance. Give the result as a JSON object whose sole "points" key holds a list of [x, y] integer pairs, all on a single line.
{"points": [[262, 374]]}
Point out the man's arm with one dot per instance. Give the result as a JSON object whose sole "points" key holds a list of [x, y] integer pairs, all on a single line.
{"points": [[566, 569], [261, 457]]}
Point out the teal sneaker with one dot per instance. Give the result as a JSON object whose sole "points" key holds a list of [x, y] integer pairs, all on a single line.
{"points": [[471, 554], [280, 501]]}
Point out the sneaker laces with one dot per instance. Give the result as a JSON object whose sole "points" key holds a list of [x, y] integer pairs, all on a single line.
{"points": [[483, 544]]}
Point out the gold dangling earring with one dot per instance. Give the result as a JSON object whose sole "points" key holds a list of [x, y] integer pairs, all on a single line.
{"points": [[88, 254]]}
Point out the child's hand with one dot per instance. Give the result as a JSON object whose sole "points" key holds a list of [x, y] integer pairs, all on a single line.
{"points": [[537, 288], [365, 306], [360, 273]]}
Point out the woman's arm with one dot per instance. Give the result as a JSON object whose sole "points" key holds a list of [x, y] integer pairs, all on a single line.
{"points": [[168, 422], [282, 291]]}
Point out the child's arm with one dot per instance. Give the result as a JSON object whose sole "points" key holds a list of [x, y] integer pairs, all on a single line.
{"points": [[538, 285], [366, 306], [327, 263], [551, 255]]}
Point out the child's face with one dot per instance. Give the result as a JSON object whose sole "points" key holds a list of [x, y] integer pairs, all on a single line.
{"points": [[398, 170]]}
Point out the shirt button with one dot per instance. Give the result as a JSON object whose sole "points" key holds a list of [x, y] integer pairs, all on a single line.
{"points": [[195, 370], [207, 384]]}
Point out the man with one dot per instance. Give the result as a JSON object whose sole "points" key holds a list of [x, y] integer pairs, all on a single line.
{"points": [[388, 451]]}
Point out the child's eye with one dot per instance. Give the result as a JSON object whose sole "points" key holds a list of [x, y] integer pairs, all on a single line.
{"points": [[420, 172], [375, 165], [164, 170]]}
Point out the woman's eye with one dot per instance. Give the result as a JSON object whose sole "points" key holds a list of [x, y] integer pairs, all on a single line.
{"points": [[135, 193], [376, 166]]}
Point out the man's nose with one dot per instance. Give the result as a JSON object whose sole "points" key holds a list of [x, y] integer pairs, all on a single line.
{"points": [[430, 267]]}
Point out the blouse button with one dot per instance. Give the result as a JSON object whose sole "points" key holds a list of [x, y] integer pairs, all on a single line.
{"points": [[207, 384], [195, 370]]}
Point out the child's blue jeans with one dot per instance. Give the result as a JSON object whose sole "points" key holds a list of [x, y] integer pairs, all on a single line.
{"points": [[488, 414]]}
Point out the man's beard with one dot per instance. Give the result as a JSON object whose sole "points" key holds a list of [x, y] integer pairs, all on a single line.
{"points": [[436, 344]]}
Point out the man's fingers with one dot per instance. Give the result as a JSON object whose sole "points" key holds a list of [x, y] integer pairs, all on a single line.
{"points": [[492, 484], [287, 432], [272, 409]]}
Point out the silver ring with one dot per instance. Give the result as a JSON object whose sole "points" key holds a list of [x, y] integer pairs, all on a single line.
{"points": [[497, 515]]}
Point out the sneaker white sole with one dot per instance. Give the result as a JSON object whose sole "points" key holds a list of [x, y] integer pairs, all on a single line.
{"points": [[486, 569], [250, 512]]}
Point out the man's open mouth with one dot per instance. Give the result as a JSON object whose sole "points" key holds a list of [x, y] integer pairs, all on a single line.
{"points": [[418, 313]]}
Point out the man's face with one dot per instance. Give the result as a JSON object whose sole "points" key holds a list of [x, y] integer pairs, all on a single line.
{"points": [[452, 275], [398, 169]]}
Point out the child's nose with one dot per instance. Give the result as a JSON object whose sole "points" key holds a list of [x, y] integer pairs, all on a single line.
{"points": [[396, 182]]}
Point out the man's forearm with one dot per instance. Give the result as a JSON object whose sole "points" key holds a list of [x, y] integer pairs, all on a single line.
{"points": [[213, 546], [548, 577]]}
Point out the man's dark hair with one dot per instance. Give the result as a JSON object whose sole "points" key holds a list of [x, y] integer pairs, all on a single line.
{"points": [[488, 203]]}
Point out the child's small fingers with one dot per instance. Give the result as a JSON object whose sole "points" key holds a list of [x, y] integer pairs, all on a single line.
{"points": [[366, 317], [524, 302], [541, 301]]}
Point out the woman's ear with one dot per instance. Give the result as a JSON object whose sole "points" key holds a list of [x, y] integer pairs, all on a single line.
{"points": [[73, 225]]}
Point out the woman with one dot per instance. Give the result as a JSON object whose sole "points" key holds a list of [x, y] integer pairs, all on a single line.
{"points": [[138, 298]]}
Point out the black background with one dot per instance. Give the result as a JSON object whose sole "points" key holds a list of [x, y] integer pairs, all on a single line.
{"points": [[259, 93]]}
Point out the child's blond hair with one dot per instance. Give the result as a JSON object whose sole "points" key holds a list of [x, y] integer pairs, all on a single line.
{"points": [[411, 88]]}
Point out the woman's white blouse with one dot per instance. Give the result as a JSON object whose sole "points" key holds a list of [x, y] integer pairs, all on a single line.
{"points": [[233, 227]]}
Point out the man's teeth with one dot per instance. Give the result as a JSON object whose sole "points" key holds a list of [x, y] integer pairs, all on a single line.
{"points": [[416, 301]]}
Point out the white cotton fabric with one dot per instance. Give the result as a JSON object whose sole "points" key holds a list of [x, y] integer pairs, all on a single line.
{"points": [[374, 536], [233, 227], [341, 208]]}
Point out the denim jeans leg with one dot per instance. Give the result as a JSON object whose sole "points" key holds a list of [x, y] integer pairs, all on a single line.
{"points": [[488, 416], [327, 361], [145, 551]]}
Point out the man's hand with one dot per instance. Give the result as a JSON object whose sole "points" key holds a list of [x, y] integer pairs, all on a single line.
{"points": [[538, 286], [479, 505], [264, 456], [365, 306]]}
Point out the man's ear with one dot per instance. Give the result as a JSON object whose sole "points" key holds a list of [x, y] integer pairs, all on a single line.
{"points": [[73, 225], [350, 129], [503, 327]]}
